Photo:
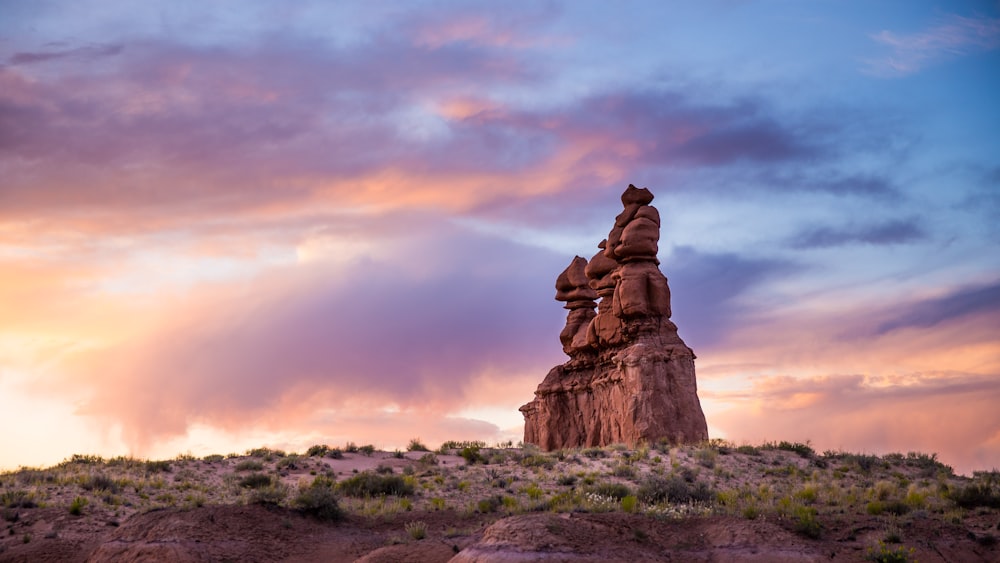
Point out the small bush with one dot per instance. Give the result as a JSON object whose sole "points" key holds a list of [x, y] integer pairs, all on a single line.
{"points": [[417, 446], [673, 489], [629, 503], [623, 471], [158, 466], [975, 495], [255, 481], [100, 482], [273, 494], [471, 455], [335, 453], [76, 507], [319, 450], [319, 501], [538, 460], [806, 522], [369, 484], [616, 491], [566, 480], [416, 529], [289, 462], [595, 453], [367, 450], [213, 458], [804, 450], [885, 554], [489, 505], [249, 465], [384, 469]]}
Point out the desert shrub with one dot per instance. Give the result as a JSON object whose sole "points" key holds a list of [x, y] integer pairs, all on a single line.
{"points": [[367, 450], [289, 462], [748, 450], [351, 448], [255, 481], [975, 495], [398, 454], [319, 501], [99, 482], [266, 453], [84, 459], [629, 503], [706, 457], [417, 529], [566, 480], [623, 471], [384, 469], [673, 489], [17, 498], [488, 505], [804, 450], [272, 494], [162, 466], [471, 454], [458, 445], [249, 465], [882, 553], [806, 522], [417, 446], [76, 507], [213, 458], [428, 459], [616, 491], [595, 453], [538, 460], [369, 484], [319, 450], [335, 453]]}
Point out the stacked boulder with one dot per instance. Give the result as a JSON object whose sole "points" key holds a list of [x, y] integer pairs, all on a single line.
{"points": [[630, 378]]}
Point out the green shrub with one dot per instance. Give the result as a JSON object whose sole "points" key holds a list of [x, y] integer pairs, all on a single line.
{"points": [[673, 489], [213, 458], [804, 450], [538, 460], [367, 450], [335, 453], [417, 446], [806, 522], [158, 466], [595, 453], [629, 503], [249, 465], [289, 462], [885, 554], [319, 450], [76, 507], [369, 484], [319, 501], [616, 491], [566, 480], [975, 495], [99, 482], [255, 481], [273, 494], [471, 454], [416, 529]]}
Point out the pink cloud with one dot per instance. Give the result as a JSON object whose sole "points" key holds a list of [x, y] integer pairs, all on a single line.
{"points": [[953, 36]]}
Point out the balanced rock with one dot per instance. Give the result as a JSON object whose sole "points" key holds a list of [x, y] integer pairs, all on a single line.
{"points": [[630, 377]]}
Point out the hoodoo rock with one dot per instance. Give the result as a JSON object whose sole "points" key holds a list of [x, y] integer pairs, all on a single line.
{"points": [[630, 378]]}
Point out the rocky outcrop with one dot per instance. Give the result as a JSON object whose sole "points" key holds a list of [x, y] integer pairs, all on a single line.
{"points": [[630, 378]]}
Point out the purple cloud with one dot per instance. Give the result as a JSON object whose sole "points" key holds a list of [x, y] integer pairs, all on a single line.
{"points": [[903, 231], [960, 303]]}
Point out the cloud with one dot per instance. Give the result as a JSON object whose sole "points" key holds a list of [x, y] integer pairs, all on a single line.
{"points": [[414, 331], [978, 300], [707, 288], [903, 231], [953, 36], [85, 52], [951, 414]]}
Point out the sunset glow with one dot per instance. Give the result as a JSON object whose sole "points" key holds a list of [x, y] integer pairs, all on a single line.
{"points": [[232, 225]]}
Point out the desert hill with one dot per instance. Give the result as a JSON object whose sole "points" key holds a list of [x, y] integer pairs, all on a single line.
{"points": [[466, 502]]}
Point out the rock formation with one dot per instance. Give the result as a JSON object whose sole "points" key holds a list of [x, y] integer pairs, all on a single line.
{"points": [[630, 378]]}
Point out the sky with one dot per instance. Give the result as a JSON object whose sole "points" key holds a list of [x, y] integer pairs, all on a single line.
{"points": [[233, 224]]}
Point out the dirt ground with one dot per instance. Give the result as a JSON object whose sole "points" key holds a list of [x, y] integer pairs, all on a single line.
{"points": [[545, 510]]}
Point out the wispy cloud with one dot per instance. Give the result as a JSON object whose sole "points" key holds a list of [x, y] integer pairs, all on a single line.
{"points": [[902, 231], [84, 52], [953, 36]]}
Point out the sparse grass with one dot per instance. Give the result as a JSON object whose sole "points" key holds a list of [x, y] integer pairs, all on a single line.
{"points": [[369, 484], [416, 529]]}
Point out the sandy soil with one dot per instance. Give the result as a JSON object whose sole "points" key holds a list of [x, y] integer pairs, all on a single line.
{"points": [[522, 506]]}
